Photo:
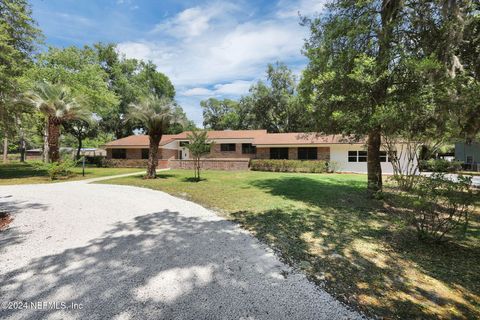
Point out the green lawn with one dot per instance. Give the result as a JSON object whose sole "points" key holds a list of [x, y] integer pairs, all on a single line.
{"points": [[356, 248], [25, 173]]}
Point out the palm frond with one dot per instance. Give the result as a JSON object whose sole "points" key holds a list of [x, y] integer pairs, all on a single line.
{"points": [[58, 102], [153, 114]]}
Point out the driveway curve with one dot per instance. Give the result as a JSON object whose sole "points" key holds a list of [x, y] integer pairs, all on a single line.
{"points": [[92, 251]]}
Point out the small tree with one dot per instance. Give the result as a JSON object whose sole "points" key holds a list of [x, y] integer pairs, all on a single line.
{"points": [[154, 115], [59, 105], [198, 146]]}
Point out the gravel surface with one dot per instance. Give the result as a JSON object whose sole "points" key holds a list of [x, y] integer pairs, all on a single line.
{"points": [[122, 252]]}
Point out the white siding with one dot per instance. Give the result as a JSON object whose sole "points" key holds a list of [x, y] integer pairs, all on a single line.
{"points": [[339, 154]]}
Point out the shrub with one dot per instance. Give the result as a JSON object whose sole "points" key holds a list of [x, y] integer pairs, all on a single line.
{"points": [[441, 206], [317, 166], [95, 160], [440, 165], [56, 169]]}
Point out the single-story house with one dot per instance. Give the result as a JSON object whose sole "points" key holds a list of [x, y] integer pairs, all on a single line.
{"points": [[233, 150], [469, 154]]}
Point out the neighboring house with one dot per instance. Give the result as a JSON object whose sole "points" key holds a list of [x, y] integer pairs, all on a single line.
{"points": [[233, 149], [469, 154], [87, 152]]}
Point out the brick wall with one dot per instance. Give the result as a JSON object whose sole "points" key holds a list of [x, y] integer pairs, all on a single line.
{"points": [[212, 164], [134, 153], [168, 154], [293, 153], [263, 153], [216, 152], [323, 153], [126, 163]]}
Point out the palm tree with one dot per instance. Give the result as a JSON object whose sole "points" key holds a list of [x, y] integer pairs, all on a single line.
{"points": [[59, 106], [154, 115]]}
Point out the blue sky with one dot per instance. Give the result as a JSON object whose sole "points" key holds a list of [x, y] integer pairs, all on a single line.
{"points": [[207, 48]]}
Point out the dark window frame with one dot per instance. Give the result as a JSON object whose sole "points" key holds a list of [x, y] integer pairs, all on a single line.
{"points": [[145, 153], [279, 153], [120, 153], [228, 147], [248, 148], [387, 157], [357, 156], [352, 156], [307, 153], [362, 156]]}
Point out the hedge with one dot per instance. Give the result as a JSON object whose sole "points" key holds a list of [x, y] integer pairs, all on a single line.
{"points": [[316, 166], [440, 165]]}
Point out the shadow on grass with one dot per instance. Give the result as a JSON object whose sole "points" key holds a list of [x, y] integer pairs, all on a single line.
{"points": [[20, 170], [192, 179], [363, 255], [158, 176]]}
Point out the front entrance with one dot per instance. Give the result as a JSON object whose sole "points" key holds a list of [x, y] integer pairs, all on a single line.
{"points": [[183, 153]]}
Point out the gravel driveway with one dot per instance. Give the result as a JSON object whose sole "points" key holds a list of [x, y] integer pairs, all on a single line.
{"points": [[119, 252]]}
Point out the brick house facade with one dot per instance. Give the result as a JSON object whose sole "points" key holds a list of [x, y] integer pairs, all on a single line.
{"points": [[233, 150]]}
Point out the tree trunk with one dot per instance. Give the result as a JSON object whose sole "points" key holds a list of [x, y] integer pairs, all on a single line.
{"points": [[79, 149], [5, 149], [389, 12], [153, 156], [22, 148], [374, 167], [198, 168], [45, 143], [53, 140]]}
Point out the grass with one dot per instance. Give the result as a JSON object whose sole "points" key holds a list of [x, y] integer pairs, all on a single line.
{"points": [[355, 248], [25, 173]]}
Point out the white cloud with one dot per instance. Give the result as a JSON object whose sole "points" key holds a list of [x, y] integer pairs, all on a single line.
{"points": [[193, 21], [240, 53], [202, 92], [235, 88], [288, 9], [214, 49]]}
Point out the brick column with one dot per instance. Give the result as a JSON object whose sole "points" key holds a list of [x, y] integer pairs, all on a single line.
{"points": [[323, 153]]}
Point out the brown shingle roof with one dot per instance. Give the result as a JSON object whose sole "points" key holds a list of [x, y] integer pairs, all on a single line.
{"points": [[138, 140], [260, 137], [300, 138], [228, 134]]}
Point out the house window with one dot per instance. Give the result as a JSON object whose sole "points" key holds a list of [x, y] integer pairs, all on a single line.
{"points": [[387, 157], [357, 156], [383, 156], [145, 153], [469, 159], [362, 156], [248, 148], [278, 153], [183, 143], [119, 153], [352, 156], [227, 147], [307, 153]]}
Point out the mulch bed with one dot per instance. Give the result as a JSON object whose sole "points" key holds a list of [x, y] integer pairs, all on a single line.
{"points": [[5, 219]]}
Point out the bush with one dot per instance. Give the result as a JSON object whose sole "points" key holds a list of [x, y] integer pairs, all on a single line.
{"points": [[95, 160], [441, 206], [317, 166], [56, 169], [440, 165]]}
